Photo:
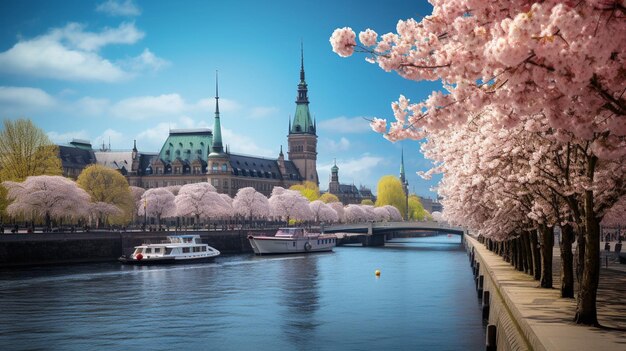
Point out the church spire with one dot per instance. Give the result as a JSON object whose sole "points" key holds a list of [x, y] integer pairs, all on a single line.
{"points": [[302, 121], [217, 147], [302, 63]]}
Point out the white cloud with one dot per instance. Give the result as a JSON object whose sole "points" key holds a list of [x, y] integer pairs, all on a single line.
{"points": [[20, 101], [263, 111], [93, 107], [119, 8], [64, 138], [114, 138], [238, 143], [346, 125], [147, 61], [71, 53], [342, 145], [149, 106], [75, 36]]}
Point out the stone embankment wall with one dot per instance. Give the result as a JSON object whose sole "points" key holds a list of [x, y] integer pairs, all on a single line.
{"points": [[60, 248], [504, 328]]}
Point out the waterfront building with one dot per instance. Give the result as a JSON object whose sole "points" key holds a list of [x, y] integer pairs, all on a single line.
{"points": [[200, 155], [347, 193]]}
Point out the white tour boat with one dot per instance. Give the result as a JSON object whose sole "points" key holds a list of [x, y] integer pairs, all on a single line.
{"points": [[292, 240], [177, 248]]}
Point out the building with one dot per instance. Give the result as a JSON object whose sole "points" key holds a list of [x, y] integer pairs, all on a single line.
{"points": [[431, 205], [347, 193], [200, 155], [75, 156]]}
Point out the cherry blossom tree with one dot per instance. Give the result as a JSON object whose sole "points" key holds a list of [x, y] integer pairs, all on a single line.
{"points": [[339, 209], [354, 214], [547, 66], [200, 200], [100, 210], [251, 203], [157, 202], [394, 214], [323, 212], [289, 204], [47, 197]]}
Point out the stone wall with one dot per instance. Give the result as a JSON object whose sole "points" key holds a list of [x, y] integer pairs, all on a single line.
{"points": [[499, 312], [61, 248]]}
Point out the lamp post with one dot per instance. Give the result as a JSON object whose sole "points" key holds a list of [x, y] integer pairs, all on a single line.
{"points": [[145, 213]]}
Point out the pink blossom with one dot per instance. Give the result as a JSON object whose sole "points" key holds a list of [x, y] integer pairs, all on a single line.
{"points": [[368, 37], [343, 41]]}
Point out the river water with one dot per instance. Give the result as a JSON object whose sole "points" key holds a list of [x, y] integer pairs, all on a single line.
{"points": [[424, 300]]}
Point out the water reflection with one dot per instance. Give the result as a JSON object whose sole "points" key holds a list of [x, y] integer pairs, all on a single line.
{"points": [[301, 300]]}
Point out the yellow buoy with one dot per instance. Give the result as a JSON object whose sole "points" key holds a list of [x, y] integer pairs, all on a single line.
{"points": [[377, 272]]}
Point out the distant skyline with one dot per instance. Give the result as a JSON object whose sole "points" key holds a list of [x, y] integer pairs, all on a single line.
{"points": [[124, 70]]}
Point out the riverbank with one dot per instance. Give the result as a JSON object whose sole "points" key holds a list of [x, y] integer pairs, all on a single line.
{"points": [[526, 316], [30, 249]]}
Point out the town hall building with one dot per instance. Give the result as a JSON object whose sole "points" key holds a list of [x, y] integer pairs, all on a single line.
{"points": [[200, 155]]}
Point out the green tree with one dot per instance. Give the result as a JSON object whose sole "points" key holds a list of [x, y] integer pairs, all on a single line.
{"points": [[307, 189], [328, 198], [416, 209], [391, 192], [108, 185], [25, 150], [367, 202]]}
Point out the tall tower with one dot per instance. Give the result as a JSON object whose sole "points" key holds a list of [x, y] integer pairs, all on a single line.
{"points": [[302, 139], [405, 185], [333, 186]]}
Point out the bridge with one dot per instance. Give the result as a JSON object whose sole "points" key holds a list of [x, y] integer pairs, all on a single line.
{"points": [[375, 232]]}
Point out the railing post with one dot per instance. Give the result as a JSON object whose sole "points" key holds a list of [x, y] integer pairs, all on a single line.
{"points": [[486, 298]]}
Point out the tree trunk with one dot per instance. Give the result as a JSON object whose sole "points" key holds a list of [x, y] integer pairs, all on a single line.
{"points": [[536, 256], [567, 261], [529, 254], [520, 254], [586, 312], [547, 242]]}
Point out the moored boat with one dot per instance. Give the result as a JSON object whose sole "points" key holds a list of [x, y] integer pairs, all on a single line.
{"points": [[292, 240], [177, 249]]}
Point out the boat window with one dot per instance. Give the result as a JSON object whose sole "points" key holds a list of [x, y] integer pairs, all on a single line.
{"points": [[185, 250], [157, 250], [168, 250], [138, 250], [203, 248], [196, 249], [148, 250], [294, 244]]}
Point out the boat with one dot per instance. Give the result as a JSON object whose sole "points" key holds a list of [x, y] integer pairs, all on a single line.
{"points": [[176, 249], [292, 240]]}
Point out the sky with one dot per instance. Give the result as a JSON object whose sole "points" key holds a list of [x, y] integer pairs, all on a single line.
{"points": [[120, 70]]}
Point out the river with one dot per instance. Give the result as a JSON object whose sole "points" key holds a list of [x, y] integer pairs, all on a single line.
{"points": [[424, 299]]}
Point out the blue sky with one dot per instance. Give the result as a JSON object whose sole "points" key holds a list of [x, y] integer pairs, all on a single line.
{"points": [[124, 70]]}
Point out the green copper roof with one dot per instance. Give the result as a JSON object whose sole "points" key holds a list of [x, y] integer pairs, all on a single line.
{"points": [[402, 175], [187, 145], [302, 121], [334, 169]]}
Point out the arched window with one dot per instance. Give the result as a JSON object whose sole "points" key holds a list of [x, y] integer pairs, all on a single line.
{"points": [[224, 167]]}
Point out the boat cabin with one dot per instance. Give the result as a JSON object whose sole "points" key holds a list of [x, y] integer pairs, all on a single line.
{"points": [[184, 239], [290, 232]]}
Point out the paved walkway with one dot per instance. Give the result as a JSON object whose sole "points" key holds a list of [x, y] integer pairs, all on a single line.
{"points": [[546, 319]]}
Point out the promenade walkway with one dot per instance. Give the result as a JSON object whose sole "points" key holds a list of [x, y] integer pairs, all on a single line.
{"points": [[546, 319]]}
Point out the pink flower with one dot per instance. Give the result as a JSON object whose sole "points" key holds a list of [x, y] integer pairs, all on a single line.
{"points": [[343, 41], [379, 125], [368, 38]]}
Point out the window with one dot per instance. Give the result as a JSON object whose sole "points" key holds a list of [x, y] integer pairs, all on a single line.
{"points": [[196, 249], [203, 248], [225, 183], [224, 167], [214, 166], [148, 250], [185, 250], [157, 250], [215, 182]]}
